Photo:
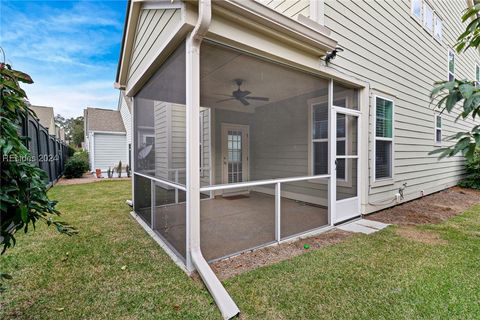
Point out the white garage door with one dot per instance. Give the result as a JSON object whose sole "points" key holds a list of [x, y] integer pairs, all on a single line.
{"points": [[109, 150]]}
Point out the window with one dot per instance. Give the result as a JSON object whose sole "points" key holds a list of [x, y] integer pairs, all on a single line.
{"points": [[427, 17], [383, 138], [417, 9], [438, 129], [148, 140], [451, 65], [437, 28]]}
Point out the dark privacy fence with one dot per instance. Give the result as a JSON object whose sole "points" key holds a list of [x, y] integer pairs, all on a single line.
{"points": [[48, 152]]}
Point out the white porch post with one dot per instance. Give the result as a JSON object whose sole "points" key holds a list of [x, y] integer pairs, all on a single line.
{"points": [[153, 204], [193, 152], [278, 201], [332, 152]]}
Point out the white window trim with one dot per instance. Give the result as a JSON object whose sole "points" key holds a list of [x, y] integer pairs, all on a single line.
{"points": [[424, 15], [317, 11], [450, 50], [386, 180], [435, 18], [437, 143], [419, 19], [477, 81]]}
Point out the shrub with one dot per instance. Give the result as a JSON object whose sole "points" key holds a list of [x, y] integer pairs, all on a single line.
{"points": [[83, 155], [71, 151], [76, 165], [473, 171], [75, 168]]}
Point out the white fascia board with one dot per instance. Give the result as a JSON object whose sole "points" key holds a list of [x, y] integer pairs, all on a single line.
{"points": [[264, 19], [160, 5]]}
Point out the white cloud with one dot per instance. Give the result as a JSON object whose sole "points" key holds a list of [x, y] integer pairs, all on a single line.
{"points": [[69, 48], [70, 100]]}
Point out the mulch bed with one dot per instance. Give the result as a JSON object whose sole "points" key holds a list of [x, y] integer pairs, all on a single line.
{"points": [[86, 178], [227, 268], [433, 208]]}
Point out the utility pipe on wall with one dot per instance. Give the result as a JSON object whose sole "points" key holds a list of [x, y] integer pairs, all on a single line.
{"points": [[195, 258]]}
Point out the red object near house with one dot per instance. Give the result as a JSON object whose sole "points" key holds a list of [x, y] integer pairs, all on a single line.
{"points": [[98, 172]]}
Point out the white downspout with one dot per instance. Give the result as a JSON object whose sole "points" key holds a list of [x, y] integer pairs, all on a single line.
{"points": [[195, 258]]}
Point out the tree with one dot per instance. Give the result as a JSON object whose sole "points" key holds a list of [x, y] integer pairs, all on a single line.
{"points": [[23, 197], [464, 93], [73, 129], [76, 131], [60, 121]]}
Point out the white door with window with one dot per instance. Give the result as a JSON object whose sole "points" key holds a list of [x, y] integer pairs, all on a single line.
{"points": [[346, 163], [234, 153]]}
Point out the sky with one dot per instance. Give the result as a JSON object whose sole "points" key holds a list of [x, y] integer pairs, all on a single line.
{"points": [[69, 48]]}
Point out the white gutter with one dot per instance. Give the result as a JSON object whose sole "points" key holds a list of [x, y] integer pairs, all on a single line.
{"points": [[195, 258]]}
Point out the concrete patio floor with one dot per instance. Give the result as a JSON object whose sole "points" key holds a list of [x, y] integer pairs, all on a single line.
{"points": [[235, 224]]}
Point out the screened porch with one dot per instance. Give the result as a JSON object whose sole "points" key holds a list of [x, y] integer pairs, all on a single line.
{"points": [[264, 143]]}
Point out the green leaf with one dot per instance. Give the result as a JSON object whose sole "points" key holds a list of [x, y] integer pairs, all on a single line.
{"points": [[24, 214], [466, 89]]}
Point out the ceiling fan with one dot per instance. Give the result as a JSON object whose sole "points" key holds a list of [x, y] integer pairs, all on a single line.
{"points": [[242, 96]]}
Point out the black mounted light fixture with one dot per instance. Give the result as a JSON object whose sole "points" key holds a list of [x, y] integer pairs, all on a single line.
{"points": [[331, 55]]}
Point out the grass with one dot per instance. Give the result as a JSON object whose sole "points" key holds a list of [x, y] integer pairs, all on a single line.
{"points": [[381, 276]]}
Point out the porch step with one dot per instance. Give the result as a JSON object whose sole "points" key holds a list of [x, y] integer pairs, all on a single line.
{"points": [[363, 226], [373, 224]]}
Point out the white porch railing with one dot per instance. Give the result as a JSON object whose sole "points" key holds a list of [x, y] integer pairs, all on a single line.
{"points": [[278, 195]]}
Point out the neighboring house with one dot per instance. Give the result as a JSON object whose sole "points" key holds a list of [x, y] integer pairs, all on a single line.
{"points": [[46, 118], [247, 115], [105, 138]]}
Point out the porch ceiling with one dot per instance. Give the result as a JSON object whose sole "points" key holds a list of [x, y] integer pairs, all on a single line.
{"points": [[220, 67]]}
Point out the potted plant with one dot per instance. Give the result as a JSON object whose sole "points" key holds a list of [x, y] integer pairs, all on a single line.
{"points": [[127, 170], [119, 169], [98, 172]]}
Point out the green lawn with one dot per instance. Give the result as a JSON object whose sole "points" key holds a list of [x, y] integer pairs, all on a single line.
{"points": [[377, 276]]}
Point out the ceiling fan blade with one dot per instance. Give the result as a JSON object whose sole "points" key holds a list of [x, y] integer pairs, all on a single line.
{"points": [[245, 102], [258, 98], [228, 99]]}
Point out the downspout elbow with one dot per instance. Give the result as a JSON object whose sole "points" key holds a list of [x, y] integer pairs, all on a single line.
{"points": [[225, 303], [203, 22]]}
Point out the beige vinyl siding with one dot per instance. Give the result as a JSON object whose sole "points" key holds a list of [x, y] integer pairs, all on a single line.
{"points": [[388, 48], [126, 117], [290, 8], [162, 140], [153, 28], [170, 141], [178, 140], [109, 149]]}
